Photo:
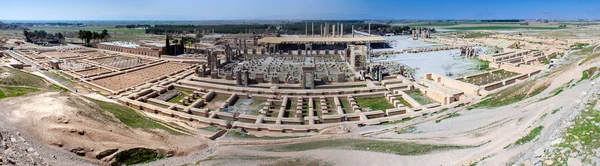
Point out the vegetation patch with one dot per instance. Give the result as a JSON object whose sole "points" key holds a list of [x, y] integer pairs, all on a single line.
{"points": [[178, 97], [237, 134], [578, 46], [547, 60], [476, 35], [214, 158], [419, 97], [131, 118], [589, 58], [588, 52], [12, 91], [58, 88], [346, 106], [299, 162], [473, 28], [56, 75], [532, 134], [399, 121], [555, 110], [105, 153], [587, 73], [408, 129], [452, 115], [404, 102], [374, 103], [14, 77], [483, 79], [511, 95], [137, 156], [483, 64], [393, 147], [581, 137], [558, 90]]}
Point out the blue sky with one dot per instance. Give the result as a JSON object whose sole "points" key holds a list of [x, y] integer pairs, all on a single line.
{"points": [[296, 9]]}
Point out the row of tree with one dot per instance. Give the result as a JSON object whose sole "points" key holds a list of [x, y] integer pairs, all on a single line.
{"points": [[29, 24], [42, 37], [134, 26], [299, 28], [186, 29], [88, 36]]}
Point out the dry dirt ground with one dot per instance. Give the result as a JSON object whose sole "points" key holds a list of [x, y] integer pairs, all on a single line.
{"points": [[68, 123]]}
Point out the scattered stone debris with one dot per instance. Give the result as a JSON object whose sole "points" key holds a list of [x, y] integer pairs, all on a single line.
{"points": [[14, 150], [80, 151]]}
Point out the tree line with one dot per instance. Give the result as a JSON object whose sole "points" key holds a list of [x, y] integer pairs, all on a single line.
{"points": [[88, 36], [298, 28], [186, 29], [50, 24], [42, 37], [134, 26]]}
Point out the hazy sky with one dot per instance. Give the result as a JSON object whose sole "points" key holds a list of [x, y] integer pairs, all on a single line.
{"points": [[296, 9]]}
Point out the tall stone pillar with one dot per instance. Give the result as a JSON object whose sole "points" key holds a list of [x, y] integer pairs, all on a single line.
{"points": [[342, 30], [326, 29], [238, 78], [369, 29], [321, 30], [333, 30], [306, 29], [379, 74], [246, 78], [312, 25]]}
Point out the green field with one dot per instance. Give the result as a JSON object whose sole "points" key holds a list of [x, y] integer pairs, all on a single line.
{"points": [[111, 30], [476, 35], [10, 91], [420, 97], [374, 103], [441, 24], [117, 34], [20, 78], [473, 28]]}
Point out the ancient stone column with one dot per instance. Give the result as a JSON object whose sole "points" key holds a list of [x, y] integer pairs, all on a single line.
{"points": [[342, 30], [313, 29], [238, 78], [333, 30], [369, 29], [306, 29], [321, 30], [246, 77]]}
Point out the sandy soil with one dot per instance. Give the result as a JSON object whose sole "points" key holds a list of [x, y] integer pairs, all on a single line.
{"points": [[68, 122]]}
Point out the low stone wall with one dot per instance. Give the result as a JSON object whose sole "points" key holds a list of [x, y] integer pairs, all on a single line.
{"points": [[453, 83]]}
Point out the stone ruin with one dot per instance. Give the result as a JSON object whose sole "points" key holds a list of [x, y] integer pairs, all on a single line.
{"points": [[468, 52]]}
